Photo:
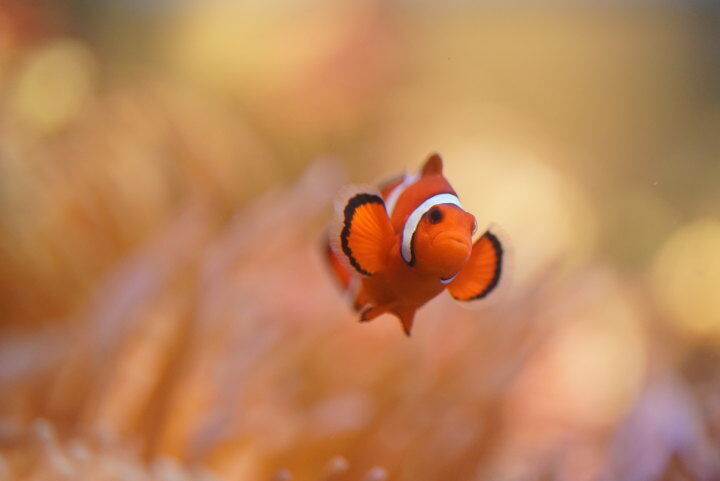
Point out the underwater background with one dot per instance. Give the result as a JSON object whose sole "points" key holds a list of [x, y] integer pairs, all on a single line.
{"points": [[167, 169]]}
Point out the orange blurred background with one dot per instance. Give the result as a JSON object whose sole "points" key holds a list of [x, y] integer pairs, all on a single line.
{"points": [[166, 173]]}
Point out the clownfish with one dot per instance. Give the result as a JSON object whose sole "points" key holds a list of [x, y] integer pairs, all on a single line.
{"points": [[394, 248]]}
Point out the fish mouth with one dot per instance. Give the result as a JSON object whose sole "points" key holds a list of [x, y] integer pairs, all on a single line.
{"points": [[456, 241], [447, 239]]}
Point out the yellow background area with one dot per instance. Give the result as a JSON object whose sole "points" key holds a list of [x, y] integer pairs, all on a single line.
{"points": [[167, 172]]}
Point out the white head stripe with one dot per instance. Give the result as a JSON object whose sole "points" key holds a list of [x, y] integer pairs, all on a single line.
{"points": [[395, 194], [414, 219]]}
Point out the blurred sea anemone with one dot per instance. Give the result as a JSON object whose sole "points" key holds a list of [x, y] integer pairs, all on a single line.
{"points": [[165, 315]]}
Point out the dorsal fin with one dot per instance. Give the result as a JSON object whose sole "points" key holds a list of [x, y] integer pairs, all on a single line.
{"points": [[433, 165]]}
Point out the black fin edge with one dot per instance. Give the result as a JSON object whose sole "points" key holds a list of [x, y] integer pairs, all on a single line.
{"points": [[498, 268], [356, 201]]}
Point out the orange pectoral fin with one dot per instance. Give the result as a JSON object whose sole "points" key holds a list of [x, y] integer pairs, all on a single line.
{"points": [[483, 271], [365, 233]]}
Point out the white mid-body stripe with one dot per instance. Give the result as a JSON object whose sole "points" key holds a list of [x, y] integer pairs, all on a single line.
{"points": [[395, 194], [414, 219]]}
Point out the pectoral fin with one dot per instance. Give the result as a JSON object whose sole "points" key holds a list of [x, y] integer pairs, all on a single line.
{"points": [[363, 233], [483, 272]]}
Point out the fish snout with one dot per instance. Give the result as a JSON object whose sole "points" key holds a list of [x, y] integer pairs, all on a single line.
{"points": [[451, 251], [452, 241]]}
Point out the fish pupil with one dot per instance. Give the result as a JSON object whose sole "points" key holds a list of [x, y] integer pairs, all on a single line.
{"points": [[435, 216]]}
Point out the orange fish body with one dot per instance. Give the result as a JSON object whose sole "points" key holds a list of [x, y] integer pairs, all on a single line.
{"points": [[395, 249]]}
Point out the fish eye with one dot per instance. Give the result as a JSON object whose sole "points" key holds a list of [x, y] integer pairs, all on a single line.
{"points": [[435, 215]]}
